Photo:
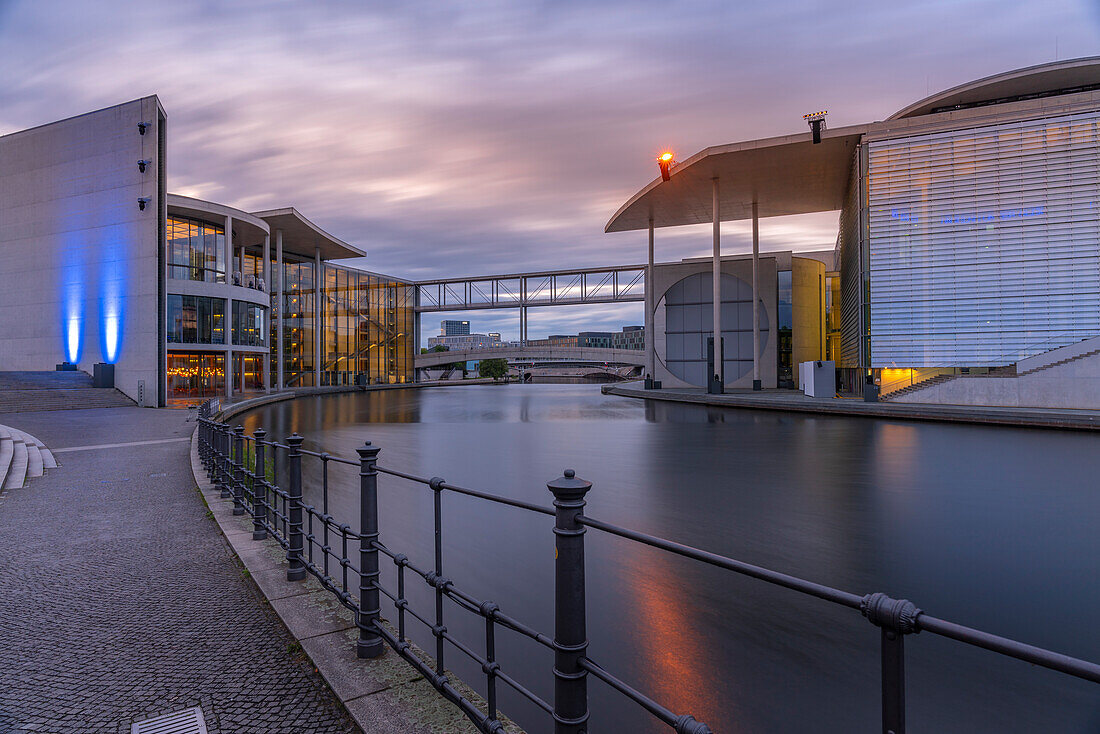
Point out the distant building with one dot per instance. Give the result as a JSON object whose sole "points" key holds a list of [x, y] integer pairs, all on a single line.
{"points": [[595, 339], [631, 337], [450, 327], [460, 342]]}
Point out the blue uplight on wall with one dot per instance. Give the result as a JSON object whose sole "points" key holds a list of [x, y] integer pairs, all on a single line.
{"points": [[112, 296], [71, 302]]}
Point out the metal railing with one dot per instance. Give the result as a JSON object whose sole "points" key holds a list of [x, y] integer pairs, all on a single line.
{"points": [[318, 544]]}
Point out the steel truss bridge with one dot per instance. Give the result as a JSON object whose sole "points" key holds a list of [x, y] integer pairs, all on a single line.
{"points": [[617, 284]]}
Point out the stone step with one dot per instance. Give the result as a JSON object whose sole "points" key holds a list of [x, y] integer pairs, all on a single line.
{"points": [[7, 449], [17, 472], [29, 457], [34, 460], [21, 401]]}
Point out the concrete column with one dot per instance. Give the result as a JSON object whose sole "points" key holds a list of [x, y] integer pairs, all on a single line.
{"points": [[229, 250], [240, 262], [318, 312], [719, 361], [267, 289], [280, 379], [650, 343], [229, 308], [756, 299], [229, 347]]}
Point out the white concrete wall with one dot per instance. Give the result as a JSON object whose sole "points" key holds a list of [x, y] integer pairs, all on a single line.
{"points": [[1072, 385], [78, 259]]}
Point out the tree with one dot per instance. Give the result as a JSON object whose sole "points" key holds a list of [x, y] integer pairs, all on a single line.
{"points": [[495, 368]]}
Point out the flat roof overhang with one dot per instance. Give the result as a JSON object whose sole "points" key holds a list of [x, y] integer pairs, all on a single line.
{"points": [[784, 175], [250, 230], [302, 237]]}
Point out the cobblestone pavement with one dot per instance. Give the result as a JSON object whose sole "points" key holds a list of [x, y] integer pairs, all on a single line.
{"points": [[120, 599]]}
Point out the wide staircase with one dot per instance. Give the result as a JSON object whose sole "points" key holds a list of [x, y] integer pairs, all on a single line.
{"points": [[22, 456], [25, 391]]}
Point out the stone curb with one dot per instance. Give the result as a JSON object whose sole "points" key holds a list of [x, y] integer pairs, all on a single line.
{"points": [[384, 695], [1019, 417]]}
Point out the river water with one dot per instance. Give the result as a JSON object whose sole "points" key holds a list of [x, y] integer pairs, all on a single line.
{"points": [[992, 527]]}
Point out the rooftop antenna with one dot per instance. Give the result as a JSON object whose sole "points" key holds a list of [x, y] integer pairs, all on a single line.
{"points": [[816, 121]]}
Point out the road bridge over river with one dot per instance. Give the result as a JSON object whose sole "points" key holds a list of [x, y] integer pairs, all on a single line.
{"points": [[593, 355]]}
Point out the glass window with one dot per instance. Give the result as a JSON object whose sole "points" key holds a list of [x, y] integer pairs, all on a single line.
{"points": [[195, 250], [249, 324], [195, 375], [195, 320]]}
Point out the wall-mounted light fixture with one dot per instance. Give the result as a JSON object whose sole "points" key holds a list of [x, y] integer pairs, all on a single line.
{"points": [[142, 164], [143, 126], [816, 121], [142, 202], [665, 162]]}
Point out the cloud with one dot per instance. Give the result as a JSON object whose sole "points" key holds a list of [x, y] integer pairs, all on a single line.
{"points": [[482, 137]]}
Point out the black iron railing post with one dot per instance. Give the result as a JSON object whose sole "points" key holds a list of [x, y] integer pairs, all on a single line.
{"points": [[370, 642], [223, 461], [297, 569], [570, 633], [259, 488], [897, 618], [238, 470]]}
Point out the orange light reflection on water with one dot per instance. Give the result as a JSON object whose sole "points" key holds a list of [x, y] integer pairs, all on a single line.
{"points": [[683, 675]]}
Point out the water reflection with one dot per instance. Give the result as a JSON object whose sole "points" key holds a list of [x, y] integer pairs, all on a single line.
{"points": [[992, 527]]}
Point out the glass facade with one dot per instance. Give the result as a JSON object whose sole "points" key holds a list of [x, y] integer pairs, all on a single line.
{"points": [[196, 250], [784, 345], [832, 317], [367, 328], [195, 375], [248, 372], [297, 324], [195, 320], [249, 324], [984, 243]]}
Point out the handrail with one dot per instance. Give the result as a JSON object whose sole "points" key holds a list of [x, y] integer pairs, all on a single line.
{"points": [[238, 465]]}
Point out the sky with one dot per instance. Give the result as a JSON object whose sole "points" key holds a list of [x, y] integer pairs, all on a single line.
{"points": [[471, 138]]}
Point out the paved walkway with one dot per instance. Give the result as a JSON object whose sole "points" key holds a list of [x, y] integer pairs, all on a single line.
{"points": [[792, 400], [121, 599]]}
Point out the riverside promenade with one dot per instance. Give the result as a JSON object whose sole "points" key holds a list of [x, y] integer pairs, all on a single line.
{"points": [[121, 599], [796, 402]]}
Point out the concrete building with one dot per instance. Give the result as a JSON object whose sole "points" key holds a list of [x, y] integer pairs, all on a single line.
{"points": [[968, 237], [466, 341], [187, 299], [451, 327]]}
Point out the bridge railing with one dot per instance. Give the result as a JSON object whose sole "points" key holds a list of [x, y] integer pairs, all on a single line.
{"points": [[616, 284], [246, 468]]}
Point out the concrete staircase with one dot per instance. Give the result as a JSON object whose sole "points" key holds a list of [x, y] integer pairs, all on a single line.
{"points": [[22, 456], [26, 391], [1067, 360], [917, 386]]}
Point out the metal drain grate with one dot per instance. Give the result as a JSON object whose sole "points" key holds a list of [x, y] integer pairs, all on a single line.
{"points": [[188, 721]]}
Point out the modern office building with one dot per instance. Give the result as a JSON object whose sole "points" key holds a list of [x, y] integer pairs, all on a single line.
{"points": [[186, 298], [452, 327], [466, 341], [968, 237]]}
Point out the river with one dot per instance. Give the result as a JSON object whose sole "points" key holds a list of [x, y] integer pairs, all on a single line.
{"points": [[992, 527]]}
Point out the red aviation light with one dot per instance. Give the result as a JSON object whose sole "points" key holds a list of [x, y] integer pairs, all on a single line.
{"points": [[665, 162]]}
